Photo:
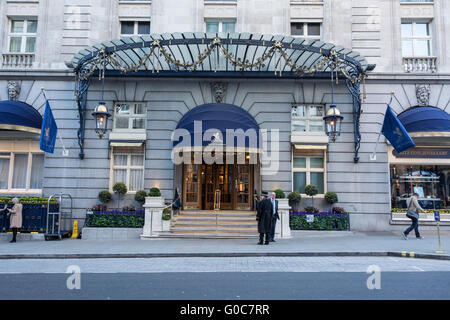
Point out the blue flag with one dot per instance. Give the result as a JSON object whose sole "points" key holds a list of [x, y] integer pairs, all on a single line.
{"points": [[48, 130], [395, 132]]}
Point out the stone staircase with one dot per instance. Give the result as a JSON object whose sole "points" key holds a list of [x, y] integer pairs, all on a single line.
{"points": [[214, 224]]}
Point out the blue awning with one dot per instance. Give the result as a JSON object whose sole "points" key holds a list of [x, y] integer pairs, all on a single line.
{"points": [[425, 119], [19, 116], [215, 120]]}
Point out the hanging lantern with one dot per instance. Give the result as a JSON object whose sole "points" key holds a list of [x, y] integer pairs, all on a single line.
{"points": [[333, 122], [101, 116]]}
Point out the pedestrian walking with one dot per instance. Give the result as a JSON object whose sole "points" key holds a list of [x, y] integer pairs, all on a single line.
{"points": [[413, 213], [15, 218], [264, 217], [275, 216]]}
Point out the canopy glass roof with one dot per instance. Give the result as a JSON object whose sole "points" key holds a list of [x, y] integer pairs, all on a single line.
{"points": [[207, 53]]}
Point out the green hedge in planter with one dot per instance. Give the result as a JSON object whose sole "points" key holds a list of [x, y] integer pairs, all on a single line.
{"points": [[116, 219], [322, 221]]}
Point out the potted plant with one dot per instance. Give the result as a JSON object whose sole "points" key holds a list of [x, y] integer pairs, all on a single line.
{"points": [[166, 217], [154, 192], [311, 190], [120, 189], [155, 197], [331, 198], [294, 199], [279, 194], [140, 197]]}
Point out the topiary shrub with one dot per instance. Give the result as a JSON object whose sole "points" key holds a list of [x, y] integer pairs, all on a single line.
{"points": [[140, 196], [311, 190], [154, 192], [104, 196], [331, 197], [120, 189], [279, 194], [294, 198]]}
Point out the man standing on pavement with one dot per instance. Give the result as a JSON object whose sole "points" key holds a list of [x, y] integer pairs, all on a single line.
{"points": [[275, 216], [264, 217]]}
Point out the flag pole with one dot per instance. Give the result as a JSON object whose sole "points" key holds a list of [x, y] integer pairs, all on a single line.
{"points": [[65, 152], [373, 156]]}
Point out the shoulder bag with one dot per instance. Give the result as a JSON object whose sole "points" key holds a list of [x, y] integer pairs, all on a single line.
{"points": [[410, 213]]}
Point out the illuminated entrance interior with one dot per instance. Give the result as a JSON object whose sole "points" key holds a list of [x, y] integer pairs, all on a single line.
{"points": [[218, 186]]}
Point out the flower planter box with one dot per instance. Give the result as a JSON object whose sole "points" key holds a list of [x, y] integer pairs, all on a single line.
{"points": [[319, 221], [166, 225], [115, 219]]}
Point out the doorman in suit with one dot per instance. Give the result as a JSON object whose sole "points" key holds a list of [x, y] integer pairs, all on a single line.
{"points": [[275, 216], [264, 218]]}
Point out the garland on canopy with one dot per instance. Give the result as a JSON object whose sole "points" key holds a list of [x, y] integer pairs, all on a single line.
{"points": [[277, 51]]}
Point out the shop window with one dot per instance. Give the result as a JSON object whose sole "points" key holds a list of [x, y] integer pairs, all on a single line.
{"points": [[308, 168], [226, 26], [308, 118], [431, 182], [310, 30], [22, 36], [130, 116], [128, 167], [21, 172], [134, 28], [416, 39]]}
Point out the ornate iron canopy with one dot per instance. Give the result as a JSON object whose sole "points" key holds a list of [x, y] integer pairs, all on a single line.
{"points": [[219, 55]]}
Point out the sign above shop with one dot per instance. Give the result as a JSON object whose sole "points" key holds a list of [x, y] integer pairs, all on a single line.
{"points": [[431, 153]]}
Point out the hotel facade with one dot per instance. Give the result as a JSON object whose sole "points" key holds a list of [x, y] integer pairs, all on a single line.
{"points": [[274, 66]]}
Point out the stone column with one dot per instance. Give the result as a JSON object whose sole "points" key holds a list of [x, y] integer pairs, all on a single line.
{"points": [[282, 228], [154, 207]]}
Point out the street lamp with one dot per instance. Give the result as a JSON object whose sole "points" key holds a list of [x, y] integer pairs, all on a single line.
{"points": [[333, 122], [101, 116]]}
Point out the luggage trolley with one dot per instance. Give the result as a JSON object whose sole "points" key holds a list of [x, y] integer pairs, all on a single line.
{"points": [[59, 223]]}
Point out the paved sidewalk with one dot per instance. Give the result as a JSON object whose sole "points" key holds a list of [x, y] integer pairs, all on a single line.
{"points": [[302, 243]]}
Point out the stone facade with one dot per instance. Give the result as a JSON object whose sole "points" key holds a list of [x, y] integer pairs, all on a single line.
{"points": [[370, 27]]}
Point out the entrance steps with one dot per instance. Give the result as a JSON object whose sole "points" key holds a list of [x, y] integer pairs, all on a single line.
{"points": [[214, 224]]}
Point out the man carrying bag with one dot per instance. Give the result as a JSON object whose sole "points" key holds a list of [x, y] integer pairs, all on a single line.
{"points": [[413, 213]]}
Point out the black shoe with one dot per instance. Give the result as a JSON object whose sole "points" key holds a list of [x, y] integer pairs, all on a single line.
{"points": [[12, 241], [260, 242], [272, 240], [266, 243]]}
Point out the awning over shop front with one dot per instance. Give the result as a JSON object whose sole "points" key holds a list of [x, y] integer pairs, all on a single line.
{"points": [[211, 124], [19, 116], [426, 121], [126, 143]]}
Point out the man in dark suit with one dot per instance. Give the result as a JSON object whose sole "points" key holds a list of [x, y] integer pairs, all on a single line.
{"points": [[275, 216], [264, 217]]}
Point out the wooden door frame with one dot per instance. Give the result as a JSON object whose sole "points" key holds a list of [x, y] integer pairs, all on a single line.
{"points": [[234, 201], [199, 191]]}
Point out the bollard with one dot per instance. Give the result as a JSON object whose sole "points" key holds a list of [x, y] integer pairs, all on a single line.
{"points": [[437, 217]]}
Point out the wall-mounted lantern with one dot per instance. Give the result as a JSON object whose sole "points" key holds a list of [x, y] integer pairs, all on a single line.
{"points": [[333, 122], [101, 116]]}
